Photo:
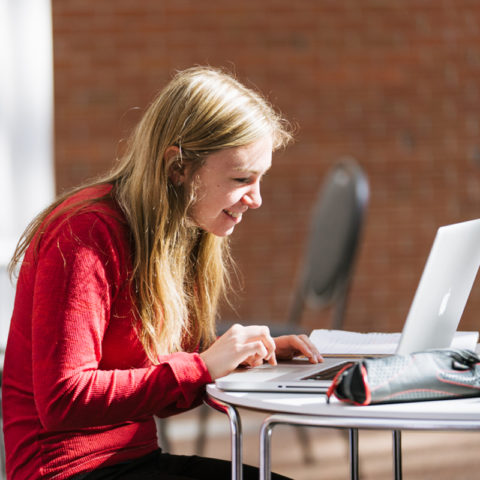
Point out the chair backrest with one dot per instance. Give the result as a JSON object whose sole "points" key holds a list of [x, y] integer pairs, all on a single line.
{"points": [[337, 221]]}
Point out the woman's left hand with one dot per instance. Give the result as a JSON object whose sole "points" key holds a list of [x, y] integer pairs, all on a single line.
{"points": [[289, 346]]}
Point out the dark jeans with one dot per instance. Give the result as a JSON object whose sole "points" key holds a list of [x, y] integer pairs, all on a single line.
{"points": [[163, 466]]}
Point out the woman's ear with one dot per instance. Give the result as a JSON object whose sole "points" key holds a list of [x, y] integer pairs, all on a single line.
{"points": [[176, 169]]}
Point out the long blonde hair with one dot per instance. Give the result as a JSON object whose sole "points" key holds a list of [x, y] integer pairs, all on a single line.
{"points": [[180, 272]]}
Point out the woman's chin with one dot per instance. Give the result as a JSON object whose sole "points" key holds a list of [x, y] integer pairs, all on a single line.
{"points": [[224, 233]]}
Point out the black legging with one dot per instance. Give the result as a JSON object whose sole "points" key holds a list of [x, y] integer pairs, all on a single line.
{"points": [[163, 466]]}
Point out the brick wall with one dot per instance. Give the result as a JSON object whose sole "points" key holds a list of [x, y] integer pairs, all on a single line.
{"points": [[393, 83]]}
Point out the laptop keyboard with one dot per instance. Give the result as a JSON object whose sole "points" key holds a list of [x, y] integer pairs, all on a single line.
{"points": [[328, 373]]}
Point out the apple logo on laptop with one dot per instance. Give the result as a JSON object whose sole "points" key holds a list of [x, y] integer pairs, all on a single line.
{"points": [[443, 305]]}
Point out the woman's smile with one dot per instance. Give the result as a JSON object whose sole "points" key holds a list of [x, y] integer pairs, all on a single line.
{"points": [[230, 177]]}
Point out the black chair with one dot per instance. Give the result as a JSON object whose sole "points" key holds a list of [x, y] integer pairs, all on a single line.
{"points": [[335, 232], [324, 278]]}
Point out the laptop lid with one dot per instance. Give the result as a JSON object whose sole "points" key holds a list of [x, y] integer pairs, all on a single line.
{"points": [[432, 321], [444, 288]]}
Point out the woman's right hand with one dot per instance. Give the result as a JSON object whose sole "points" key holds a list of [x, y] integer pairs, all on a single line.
{"points": [[250, 345]]}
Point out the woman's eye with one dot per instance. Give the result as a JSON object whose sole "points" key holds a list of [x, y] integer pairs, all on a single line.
{"points": [[242, 180]]}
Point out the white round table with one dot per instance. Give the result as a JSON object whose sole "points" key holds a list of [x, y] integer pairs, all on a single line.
{"points": [[313, 410]]}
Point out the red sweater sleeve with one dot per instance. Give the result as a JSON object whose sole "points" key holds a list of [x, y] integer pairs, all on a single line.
{"points": [[80, 274]]}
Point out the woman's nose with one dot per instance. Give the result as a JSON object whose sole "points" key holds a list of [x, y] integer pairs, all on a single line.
{"points": [[253, 198]]}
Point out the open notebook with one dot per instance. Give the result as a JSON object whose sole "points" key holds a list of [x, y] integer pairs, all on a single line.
{"points": [[341, 342], [432, 321]]}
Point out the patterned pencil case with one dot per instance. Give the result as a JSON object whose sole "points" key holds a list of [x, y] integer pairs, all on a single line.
{"points": [[426, 375]]}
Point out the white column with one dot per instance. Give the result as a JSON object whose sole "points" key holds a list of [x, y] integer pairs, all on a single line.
{"points": [[26, 128]]}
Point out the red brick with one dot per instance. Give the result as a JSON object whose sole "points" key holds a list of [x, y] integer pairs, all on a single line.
{"points": [[394, 84]]}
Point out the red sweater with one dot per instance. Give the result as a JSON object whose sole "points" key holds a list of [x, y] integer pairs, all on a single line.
{"points": [[78, 389]]}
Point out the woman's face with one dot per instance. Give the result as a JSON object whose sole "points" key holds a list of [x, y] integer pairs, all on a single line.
{"points": [[228, 184]]}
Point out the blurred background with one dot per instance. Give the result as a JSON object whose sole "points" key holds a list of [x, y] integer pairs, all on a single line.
{"points": [[393, 83]]}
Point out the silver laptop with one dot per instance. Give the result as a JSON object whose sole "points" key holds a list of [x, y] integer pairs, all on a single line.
{"points": [[432, 321]]}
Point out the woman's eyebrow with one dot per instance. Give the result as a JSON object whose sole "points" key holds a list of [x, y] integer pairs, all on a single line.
{"points": [[251, 171]]}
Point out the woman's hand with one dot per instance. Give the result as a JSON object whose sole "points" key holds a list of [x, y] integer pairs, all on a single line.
{"points": [[250, 345], [289, 346]]}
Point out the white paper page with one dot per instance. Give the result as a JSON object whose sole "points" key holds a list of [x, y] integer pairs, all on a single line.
{"points": [[467, 340], [341, 342]]}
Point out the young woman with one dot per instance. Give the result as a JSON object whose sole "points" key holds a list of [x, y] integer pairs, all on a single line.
{"points": [[114, 317]]}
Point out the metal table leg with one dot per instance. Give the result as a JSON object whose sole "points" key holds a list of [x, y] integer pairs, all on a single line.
{"points": [[266, 448], [266, 443], [235, 434], [353, 436], [397, 454]]}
